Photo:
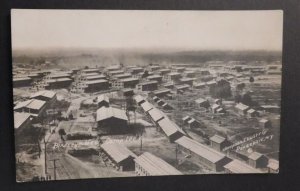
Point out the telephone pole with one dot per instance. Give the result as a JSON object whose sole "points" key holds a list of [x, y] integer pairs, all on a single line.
{"points": [[54, 167], [45, 153]]}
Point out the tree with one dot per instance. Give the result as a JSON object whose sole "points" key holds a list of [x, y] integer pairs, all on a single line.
{"points": [[246, 99], [62, 133], [240, 86], [36, 133], [145, 74], [221, 90]]}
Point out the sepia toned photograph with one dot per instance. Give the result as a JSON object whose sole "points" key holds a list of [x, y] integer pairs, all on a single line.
{"points": [[127, 93]]}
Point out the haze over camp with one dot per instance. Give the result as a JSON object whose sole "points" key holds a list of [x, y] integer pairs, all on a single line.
{"points": [[102, 94]]}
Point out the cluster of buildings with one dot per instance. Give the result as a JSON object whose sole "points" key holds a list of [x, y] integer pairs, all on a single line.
{"points": [[33, 109], [146, 164]]}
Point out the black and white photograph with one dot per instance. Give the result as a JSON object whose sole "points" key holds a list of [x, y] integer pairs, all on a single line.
{"points": [[127, 93]]}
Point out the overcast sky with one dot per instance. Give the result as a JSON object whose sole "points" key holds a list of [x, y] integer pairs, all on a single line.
{"points": [[184, 30]]}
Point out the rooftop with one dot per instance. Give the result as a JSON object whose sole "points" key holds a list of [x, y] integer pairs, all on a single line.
{"points": [[237, 166], [44, 93], [155, 166], [96, 81], [217, 139], [241, 106], [169, 127], [255, 155], [156, 114], [31, 104], [20, 118], [147, 106], [129, 79], [117, 151], [200, 149], [109, 112]]}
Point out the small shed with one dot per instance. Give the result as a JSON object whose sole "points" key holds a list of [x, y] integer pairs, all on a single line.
{"points": [[139, 99], [202, 102], [241, 109], [102, 101], [273, 166], [218, 142], [119, 155], [252, 113], [264, 123], [257, 160]]}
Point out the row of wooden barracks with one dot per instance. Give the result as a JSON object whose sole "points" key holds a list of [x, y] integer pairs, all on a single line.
{"points": [[33, 109], [146, 164], [97, 79], [211, 156]]}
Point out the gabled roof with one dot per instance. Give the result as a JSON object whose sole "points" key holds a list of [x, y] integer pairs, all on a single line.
{"points": [[102, 97], [200, 149], [129, 79], [31, 104], [241, 106], [155, 166], [182, 86], [200, 100], [146, 106], [161, 91], [44, 93], [217, 139], [20, 118], [154, 76], [237, 166], [156, 114], [117, 151], [255, 155], [273, 164], [251, 111], [91, 77], [96, 81], [192, 120], [139, 98], [169, 127], [109, 112], [215, 106], [186, 118], [263, 121]]}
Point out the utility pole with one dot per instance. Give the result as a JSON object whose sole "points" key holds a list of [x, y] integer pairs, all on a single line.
{"points": [[54, 167], [45, 153], [176, 154], [141, 145]]}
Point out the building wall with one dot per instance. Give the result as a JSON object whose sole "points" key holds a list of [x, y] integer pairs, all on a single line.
{"points": [[23, 83], [97, 87], [112, 126], [57, 85]]}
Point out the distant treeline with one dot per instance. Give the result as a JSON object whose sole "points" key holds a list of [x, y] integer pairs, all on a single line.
{"points": [[126, 57]]}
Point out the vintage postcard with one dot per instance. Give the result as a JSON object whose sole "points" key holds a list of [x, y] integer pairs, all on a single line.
{"points": [[119, 93]]}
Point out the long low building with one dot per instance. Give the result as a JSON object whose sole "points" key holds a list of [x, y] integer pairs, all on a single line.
{"points": [[21, 82], [57, 83], [111, 120], [148, 164], [45, 95], [238, 167], [156, 115], [171, 130], [21, 120], [34, 107], [120, 155], [207, 156], [96, 85], [147, 86], [146, 106]]}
